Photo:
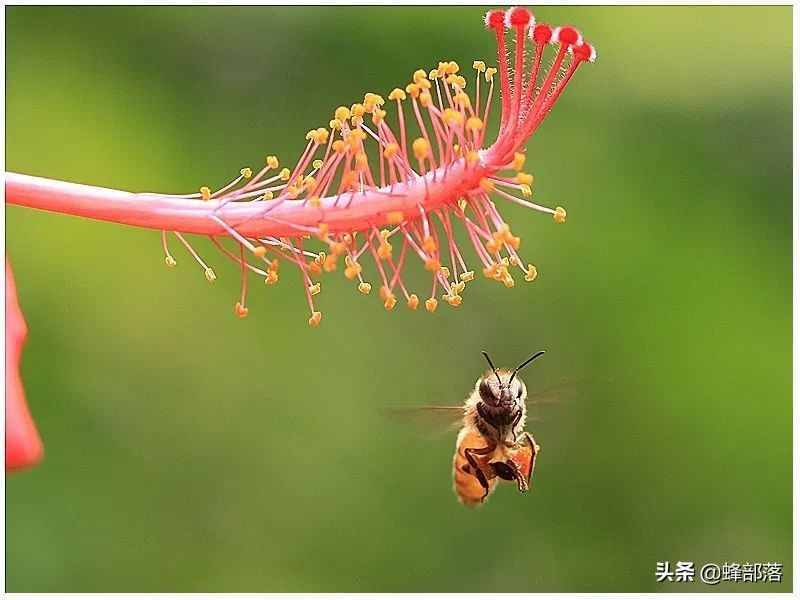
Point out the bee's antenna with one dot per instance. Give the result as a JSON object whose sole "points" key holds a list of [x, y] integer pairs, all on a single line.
{"points": [[525, 364], [491, 364]]}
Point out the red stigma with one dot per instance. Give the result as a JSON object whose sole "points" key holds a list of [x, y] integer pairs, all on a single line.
{"points": [[542, 33], [568, 35], [584, 51], [519, 17], [495, 19]]}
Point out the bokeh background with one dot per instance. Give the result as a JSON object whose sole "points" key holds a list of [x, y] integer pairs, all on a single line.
{"points": [[188, 450]]}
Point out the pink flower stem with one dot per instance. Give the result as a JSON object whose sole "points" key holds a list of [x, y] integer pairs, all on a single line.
{"points": [[274, 218]]}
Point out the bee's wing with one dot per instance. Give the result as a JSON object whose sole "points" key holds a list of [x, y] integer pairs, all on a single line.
{"points": [[433, 419], [561, 392]]}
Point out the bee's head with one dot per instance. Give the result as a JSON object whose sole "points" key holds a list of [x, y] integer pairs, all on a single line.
{"points": [[502, 388], [496, 388]]}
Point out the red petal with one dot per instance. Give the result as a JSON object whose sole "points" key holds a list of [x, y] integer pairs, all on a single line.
{"points": [[23, 444]]}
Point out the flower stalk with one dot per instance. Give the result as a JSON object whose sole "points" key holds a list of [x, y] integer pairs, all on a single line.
{"points": [[365, 189]]}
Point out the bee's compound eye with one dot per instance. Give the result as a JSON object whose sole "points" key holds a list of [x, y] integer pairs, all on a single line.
{"points": [[486, 392]]}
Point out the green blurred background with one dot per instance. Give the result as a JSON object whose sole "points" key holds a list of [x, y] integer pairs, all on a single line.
{"points": [[188, 450]]}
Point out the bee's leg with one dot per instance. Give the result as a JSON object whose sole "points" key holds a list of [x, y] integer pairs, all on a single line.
{"points": [[513, 427], [478, 472], [528, 439], [510, 472]]}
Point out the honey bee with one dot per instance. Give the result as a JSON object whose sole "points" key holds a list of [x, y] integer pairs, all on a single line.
{"points": [[492, 444]]}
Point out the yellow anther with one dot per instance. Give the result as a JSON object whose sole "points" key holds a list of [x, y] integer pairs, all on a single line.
{"points": [[508, 281], [285, 174], [338, 146], [457, 81], [429, 245], [425, 98], [364, 287], [271, 278], [445, 272], [356, 135], [205, 193], [310, 134], [452, 117], [390, 302], [395, 217], [513, 241], [210, 275], [321, 136], [525, 178], [413, 89], [490, 73], [453, 300], [329, 264], [247, 172], [352, 271], [413, 302], [317, 164], [489, 271], [314, 289], [357, 110], [385, 251], [462, 100], [531, 273], [479, 66], [342, 114], [433, 265], [384, 292], [474, 124], [391, 150], [397, 94], [170, 261], [424, 84], [468, 276], [433, 74], [272, 161], [560, 216], [431, 304], [441, 71], [421, 148], [519, 161], [267, 195], [526, 190], [456, 148], [493, 246], [315, 318], [487, 185], [240, 310], [459, 287], [452, 67], [462, 204], [378, 115], [472, 159], [259, 251], [314, 201], [335, 124], [419, 74]]}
